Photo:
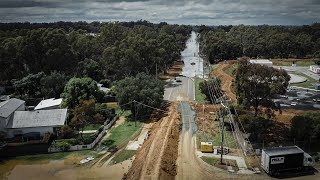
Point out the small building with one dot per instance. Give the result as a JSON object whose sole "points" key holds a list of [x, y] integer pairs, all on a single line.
{"points": [[265, 62], [315, 69], [206, 147], [39, 121], [7, 109], [49, 104], [104, 89]]}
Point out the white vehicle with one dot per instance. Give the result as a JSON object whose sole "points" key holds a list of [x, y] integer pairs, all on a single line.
{"points": [[280, 159]]}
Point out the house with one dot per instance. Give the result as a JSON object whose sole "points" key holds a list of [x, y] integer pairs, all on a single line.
{"points": [[265, 62], [37, 122], [104, 89], [7, 109], [49, 104], [315, 69]]}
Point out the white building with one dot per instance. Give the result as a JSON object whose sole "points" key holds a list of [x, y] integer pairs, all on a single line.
{"points": [[49, 104], [104, 89], [7, 109], [265, 62], [40, 121], [315, 69]]}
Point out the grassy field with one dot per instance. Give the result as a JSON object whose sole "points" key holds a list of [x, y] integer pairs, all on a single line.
{"points": [[124, 155], [209, 160], [92, 127], [307, 84], [121, 134], [231, 69], [298, 63], [200, 97]]}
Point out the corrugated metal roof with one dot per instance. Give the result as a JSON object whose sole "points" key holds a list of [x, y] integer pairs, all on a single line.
{"points": [[39, 118], [283, 150], [48, 103], [9, 106]]}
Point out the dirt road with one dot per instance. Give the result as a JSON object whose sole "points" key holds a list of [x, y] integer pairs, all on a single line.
{"points": [[189, 165], [156, 158], [226, 80]]}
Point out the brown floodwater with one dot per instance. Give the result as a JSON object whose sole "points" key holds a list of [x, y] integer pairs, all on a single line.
{"points": [[59, 169]]}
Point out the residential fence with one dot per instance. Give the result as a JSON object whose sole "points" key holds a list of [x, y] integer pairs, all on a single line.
{"points": [[87, 146]]}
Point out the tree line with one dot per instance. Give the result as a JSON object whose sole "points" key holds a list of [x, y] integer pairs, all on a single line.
{"points": [[116, 51], [231, 42]]}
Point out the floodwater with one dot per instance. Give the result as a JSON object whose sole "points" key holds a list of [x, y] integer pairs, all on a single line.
{"points": [[193, 64], [60, 169]]}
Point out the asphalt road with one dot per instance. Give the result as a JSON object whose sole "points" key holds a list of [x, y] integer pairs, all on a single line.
{"points": [[180, 91], [300, 69]]}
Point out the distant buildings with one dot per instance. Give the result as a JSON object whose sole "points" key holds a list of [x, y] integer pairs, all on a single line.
{"points": [[315, 69], [265, 62]]}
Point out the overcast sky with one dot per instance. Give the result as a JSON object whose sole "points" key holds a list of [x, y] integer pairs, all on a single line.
{"points": [[209, 12]]}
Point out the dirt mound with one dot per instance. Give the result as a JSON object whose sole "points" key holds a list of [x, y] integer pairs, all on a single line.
{"points": [[226, 80], [157, 156]]}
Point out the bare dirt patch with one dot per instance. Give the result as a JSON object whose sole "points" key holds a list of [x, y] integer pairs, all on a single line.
{"points": [[227, 84], [157, 156]]}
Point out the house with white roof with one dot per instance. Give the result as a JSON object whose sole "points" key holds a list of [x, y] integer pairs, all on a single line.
{"points": [[49, 104], [39, 121], [7, 109], [265, 62]]}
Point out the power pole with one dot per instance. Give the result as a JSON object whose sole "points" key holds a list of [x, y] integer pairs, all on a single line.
{"points": [[203, 118], [222, 138], [135, 114]]}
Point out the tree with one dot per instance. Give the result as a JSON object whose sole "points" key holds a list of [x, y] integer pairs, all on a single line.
{"points": [[306, 126], [52, 85], [142, 88], [29, 85], [80, 89], [209, 86], [85, 113], [89, 68], [257, 84]]}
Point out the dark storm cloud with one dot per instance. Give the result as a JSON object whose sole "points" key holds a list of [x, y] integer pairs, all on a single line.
{"points": [[172, 11]]}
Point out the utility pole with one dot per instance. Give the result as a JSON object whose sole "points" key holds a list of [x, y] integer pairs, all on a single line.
{"points": [[135, 113], [222, 138], [203, 118]]}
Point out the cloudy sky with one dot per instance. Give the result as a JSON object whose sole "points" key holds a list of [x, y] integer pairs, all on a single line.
{"points": [[209, 12]]}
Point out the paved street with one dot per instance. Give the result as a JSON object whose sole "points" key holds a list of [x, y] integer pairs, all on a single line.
{"points": [[300, 69], [180, 91]]}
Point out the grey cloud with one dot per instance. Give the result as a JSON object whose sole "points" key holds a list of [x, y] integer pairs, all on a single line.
{"points": [[172, 11]]}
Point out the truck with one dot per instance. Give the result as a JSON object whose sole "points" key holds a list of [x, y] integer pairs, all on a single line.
{"points": [[280, 159]]}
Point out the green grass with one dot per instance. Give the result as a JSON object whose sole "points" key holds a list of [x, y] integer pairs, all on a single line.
{"points": [[307, 84], [210, 161], [92, 127], [298, 63], [231, 69], [229, 141], [200, 97], [123, 155], [55, 156], [122, 134], [215, 66]]}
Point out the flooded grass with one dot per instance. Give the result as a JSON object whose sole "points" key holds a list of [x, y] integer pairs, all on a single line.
{"points": [[66, 159]]}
